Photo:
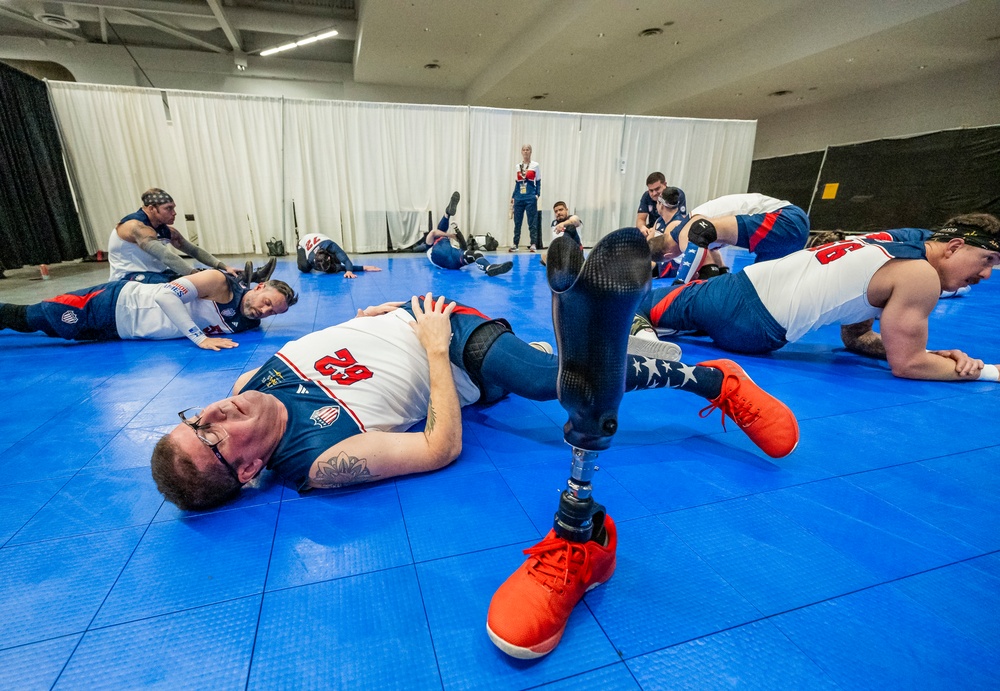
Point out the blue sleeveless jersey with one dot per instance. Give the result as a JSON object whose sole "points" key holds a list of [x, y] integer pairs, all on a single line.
{"points": [[316, 420]]}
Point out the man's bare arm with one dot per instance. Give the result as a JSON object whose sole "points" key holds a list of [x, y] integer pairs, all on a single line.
{"points": [[242, 380], [860, 338], [914, 290]]}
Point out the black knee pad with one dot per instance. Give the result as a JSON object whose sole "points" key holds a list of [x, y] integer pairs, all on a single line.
{"points": [[476, 347]]}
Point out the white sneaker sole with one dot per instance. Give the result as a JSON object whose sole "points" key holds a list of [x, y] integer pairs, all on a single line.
{"points": [[661, 350]]}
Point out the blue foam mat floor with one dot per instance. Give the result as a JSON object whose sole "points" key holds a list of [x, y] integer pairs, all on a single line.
{"points": [[869, 558]]}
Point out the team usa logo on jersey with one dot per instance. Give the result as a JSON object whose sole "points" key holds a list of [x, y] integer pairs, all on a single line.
{"points": [[69, 317], [325, 416], [177, 289], [272, 378], [228, 312]]}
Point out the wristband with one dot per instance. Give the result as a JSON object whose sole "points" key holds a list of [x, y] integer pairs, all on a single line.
{"points": [[989, 373], [196, 335]]}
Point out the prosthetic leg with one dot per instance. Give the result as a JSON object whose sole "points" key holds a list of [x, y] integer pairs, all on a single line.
{"points": [[593, 303], [592, 307]]}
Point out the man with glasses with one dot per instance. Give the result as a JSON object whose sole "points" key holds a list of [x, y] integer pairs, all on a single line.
{"points": [[331, 409], [203, 307]]}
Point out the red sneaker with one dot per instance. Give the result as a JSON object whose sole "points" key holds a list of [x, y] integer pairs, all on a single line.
{"points": [[767, 421], [529, 611]]}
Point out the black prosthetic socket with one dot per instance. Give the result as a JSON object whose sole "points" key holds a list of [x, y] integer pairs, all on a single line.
{"points": [[593, 303], [462, 244], [15, 317], [476, 347]]}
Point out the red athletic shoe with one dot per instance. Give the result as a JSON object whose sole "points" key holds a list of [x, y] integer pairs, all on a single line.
{"points": [[529, 611], [767, 421]]}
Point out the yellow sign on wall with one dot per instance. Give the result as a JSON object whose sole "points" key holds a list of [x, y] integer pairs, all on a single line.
{"points": [[830, 190]]}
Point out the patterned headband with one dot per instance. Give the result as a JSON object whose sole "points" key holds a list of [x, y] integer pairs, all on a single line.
{"points": [[972, 235], [156, 198]]}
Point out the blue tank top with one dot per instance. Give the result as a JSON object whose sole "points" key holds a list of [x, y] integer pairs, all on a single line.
{"points": [[315, 420], [230, 311]]}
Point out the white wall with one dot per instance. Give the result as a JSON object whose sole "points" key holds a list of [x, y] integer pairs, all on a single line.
{"points": [[969, 97]]}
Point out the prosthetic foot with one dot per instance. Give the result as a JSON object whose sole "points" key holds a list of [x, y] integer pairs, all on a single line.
{"points": [[593, 303]]}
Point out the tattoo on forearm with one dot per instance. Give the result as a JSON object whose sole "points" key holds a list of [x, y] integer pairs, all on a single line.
{"points": [[342, 471], [431, 419], [859, 338]]}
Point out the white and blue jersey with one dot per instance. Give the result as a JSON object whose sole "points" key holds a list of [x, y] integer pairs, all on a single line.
{"points": [[771, 303], [128, 310], [127, 259], [573, 232], [314, 241], [369, 373]]}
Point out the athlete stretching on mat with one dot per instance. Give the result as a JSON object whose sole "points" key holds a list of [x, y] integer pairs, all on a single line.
{"points": [[138, 246], [896, 276], [331, 409], [203, 307], [316, 251], [444, 255]]}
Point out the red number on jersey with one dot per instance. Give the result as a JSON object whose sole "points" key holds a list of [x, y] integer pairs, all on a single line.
{"points": [[342, 369], [312, 242], [835, 250]]}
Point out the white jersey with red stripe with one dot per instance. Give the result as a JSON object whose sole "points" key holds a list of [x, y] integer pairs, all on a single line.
{"points": [[375, 367], [369, 373], [127, 257], [818, 286], [138, 316], [740, 205]]}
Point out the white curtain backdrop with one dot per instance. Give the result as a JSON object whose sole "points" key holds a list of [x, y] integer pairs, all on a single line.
{"points": [[688, 152], [233, 149], [120, 144], [356, 170]]}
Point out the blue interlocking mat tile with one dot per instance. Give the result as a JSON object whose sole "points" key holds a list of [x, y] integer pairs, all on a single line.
{"points": [[192, 562], [336, 534], [35, 666], [364, 632], [55, 588], [18, 503], [754, 656], [94, 502], [865, 559], [880, 638], [887, 540], [480, 509], [663, 593], [963, 595], [774, 563], [202, 648]]}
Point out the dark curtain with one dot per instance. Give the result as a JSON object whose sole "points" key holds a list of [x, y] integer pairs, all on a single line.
{"points": [[38, 220], [787, 177], [917, 182]]}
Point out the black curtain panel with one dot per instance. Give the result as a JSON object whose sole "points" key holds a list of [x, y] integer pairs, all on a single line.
{"points": [[917, 182], [787, 177], [38, 220]]}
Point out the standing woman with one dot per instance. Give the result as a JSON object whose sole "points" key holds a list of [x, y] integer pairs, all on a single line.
{"points": [[527, 190]]}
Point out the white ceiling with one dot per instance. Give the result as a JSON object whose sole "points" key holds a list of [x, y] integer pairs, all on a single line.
{"points": [[711, 58]]}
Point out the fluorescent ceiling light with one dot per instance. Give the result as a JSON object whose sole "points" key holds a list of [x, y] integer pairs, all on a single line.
{"points": [[301, 42]]}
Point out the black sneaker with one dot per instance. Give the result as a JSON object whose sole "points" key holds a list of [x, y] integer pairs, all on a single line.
{"points": [[264, 273], [452, 205], [497, 269], [247, 272]]}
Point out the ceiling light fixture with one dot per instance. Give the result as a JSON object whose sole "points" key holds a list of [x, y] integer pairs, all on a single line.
{"points": [[301, 42], [780, 92], [646, 33], [432, 66]]}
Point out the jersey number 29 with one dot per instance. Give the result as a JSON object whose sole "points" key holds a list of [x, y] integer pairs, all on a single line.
{"points": [[342, 368]]}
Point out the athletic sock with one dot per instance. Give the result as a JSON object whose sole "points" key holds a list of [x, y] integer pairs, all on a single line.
{"points": [[14, 317], [648, 373]]}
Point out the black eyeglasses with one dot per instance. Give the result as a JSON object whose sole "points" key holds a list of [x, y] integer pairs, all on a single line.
{"points": [[210, 434]]}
